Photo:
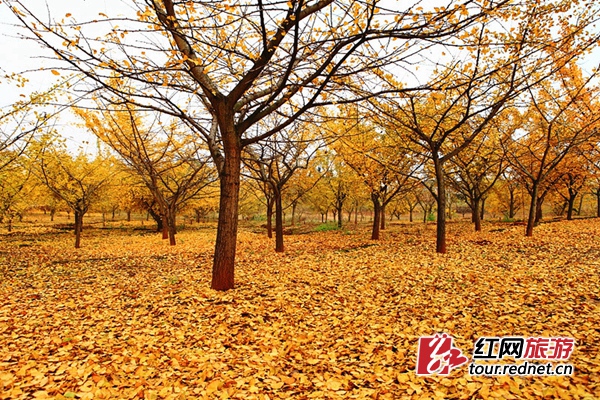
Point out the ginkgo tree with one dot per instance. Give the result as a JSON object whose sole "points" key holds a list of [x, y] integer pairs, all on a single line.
{"points": [[561, 116], [77, 180], [15, 186], [275, 162], [167, 160], [222, 67], [475, 171], [375, 159], [469, 93]]}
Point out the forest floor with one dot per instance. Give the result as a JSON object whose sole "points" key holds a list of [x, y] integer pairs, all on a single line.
{"points": [[335, 316]]}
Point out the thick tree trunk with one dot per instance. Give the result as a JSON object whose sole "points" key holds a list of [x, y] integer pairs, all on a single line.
{"points": [[532, 211], [165, 227], [172, 226], [376, 216], [440, 245], [598, 203], [339, 216], [229, 182], [78, 228], [383, 217], [538, 211], [278, 221], [476, 214]]}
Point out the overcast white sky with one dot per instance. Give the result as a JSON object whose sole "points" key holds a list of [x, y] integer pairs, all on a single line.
{"points": [[26, 55], [21, 55]]}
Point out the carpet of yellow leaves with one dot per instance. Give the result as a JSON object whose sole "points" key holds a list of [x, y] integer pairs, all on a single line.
{"points": [[336, 316]]}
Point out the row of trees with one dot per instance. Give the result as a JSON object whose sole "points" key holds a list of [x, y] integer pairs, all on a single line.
{"points": [[295, 170], [238, 78]]}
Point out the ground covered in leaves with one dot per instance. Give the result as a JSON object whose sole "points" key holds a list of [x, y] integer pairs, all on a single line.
{"points": [[335, 316]]}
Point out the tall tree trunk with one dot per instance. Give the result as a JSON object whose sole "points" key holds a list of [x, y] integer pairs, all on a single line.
{"points": [[52, 212], [10, 224], [580, 204], [78, 227], [172, 226], [538, 210], [165, 227], [383, 216], [482, 211], [339, 216], [270, 201], [572, 196], [229, 182], [532, 210], [476, 214], [511, 205], [128, 215], [278, 221], [376, 216], [597, 202], [440, 245]]}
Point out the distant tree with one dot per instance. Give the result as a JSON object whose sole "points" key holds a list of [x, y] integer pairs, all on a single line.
{"points": [[77, 180], [172, 165]]}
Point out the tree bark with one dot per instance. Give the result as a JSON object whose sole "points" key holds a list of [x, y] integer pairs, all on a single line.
{"points": [[165, 227], [571, 200], [78, 228], [482, 211], [440, 245], [172, 226], [229, 182], [376, 216], [476, 215], [382, 217], [580, 204], [278, 221], [270, 217], [340, 217], [532, 211], [538, 211], [511, 205]]}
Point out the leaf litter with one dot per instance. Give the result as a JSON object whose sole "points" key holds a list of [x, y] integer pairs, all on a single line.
{"points": [[336, 316]]}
